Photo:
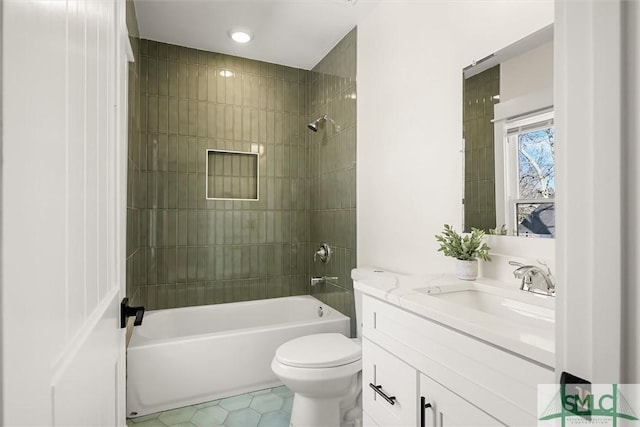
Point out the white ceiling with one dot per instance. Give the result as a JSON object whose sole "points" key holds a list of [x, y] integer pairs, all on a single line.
{"points": [[297, 33]]}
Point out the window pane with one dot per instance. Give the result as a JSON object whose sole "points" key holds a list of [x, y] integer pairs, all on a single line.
{"points": [[536, 219], [536, 164]]}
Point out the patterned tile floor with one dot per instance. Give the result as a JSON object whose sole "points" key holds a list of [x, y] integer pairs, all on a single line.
{"points": [[264, 408]]}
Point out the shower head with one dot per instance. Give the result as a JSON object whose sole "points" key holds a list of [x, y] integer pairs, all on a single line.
{"points": [[314, 124]]}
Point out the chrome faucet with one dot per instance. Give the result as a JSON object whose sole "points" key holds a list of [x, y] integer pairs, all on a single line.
{"points": [[534, 278], [323, 252], [321, 279]]}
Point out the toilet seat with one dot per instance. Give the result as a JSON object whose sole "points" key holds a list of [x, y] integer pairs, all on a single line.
{"points": [[319, 351]]}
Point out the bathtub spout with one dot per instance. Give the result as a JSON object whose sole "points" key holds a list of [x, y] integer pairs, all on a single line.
{"points": [[322, 279]]}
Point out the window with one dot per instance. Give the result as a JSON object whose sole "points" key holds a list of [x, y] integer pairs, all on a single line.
{"points": [[530, 174]]}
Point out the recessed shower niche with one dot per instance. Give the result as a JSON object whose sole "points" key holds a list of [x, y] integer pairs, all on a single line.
{"points": [[232, 175]]}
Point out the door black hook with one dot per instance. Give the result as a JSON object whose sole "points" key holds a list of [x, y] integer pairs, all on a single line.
{"points": [[126, 311]]}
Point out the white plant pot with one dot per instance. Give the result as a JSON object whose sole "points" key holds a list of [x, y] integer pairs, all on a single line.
{"points": [[467, 269]]}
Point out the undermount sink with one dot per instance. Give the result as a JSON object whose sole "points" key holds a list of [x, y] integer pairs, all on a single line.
{"points": [[508, 304]]}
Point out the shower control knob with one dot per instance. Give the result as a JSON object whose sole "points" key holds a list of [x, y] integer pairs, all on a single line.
{"points": [[324, 253]]}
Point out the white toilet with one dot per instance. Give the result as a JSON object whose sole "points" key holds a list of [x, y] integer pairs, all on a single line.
{"points": [[324, 372]]}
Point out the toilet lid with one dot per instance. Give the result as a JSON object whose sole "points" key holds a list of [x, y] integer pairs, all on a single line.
{"points": [[319, 351]]}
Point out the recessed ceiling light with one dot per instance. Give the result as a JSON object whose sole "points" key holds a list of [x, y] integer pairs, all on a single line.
{"points": [[226, 73], [240, 36]]}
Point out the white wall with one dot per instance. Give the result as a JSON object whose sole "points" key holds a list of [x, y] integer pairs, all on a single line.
{"points": [[410, 60], [530, 72]]}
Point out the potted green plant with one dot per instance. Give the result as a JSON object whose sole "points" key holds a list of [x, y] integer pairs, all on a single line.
{"points": [[466, 249]]}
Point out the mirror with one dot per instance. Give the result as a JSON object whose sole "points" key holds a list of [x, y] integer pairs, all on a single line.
{"points": [[508, 132]]}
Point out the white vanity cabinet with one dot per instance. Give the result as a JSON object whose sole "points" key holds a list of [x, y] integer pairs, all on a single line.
{"points": [[443, 408], [464, 381], [396, 380]]}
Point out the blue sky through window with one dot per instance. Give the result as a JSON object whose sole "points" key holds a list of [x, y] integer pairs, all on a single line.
{"points": [[536, 163]]}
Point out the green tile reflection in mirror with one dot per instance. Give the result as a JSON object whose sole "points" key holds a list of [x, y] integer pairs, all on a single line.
{"points": [[478, 99]]}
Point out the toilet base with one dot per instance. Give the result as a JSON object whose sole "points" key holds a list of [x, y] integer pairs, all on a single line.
{"points": [[343, 411], [322, 413], [315, 412]]}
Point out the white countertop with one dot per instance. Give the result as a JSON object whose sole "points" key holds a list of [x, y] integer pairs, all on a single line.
{"points": [[534, 343]]}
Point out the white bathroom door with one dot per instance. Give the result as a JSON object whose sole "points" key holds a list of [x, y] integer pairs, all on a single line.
{"points": [[63, 184]]}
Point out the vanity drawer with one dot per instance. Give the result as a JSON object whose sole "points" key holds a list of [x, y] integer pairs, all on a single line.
{"points": [[396, 379]]}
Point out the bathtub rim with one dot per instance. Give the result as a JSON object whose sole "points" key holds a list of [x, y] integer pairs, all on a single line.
{"points": [[333, 316]]}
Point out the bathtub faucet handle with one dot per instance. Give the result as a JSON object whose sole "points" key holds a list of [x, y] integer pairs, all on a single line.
{"points": [[323, 252]]}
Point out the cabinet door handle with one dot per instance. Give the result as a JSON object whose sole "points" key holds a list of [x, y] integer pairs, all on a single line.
{"points": [[423, 405], [378, 389]]}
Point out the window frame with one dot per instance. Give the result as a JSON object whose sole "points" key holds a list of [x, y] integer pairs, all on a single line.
{"points": [[531, 122], [522, 111]]}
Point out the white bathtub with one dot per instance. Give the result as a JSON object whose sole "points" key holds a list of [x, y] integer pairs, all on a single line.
{"points": [[184, 356]]}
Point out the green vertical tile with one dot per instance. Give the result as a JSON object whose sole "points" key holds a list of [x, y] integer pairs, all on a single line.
{"points": [[181, 295], [172, 52], [193, 55], [193, 118], [192, 81], [171, 296], [182, 192], [211, 120], [173, 116], [172, 228], [220, 87], [152, 76], [183, 80], [203, 83], [152, 113], [163, 76], [183, 117], [245, 82], [161, 266], [202, 119], [192, 155], [172, 190], [163, 114], [219, 262], [182, 227], [202, 264], [192, 198], [201, 202], [183, 54], [192, 264], [230, 89], [211, 84], [228, 122]]}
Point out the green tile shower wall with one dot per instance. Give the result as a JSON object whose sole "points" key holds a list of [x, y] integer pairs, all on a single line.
{"points": [[332, 172], [197, 251], [184, 250], [134, 212], [479, 180]]}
